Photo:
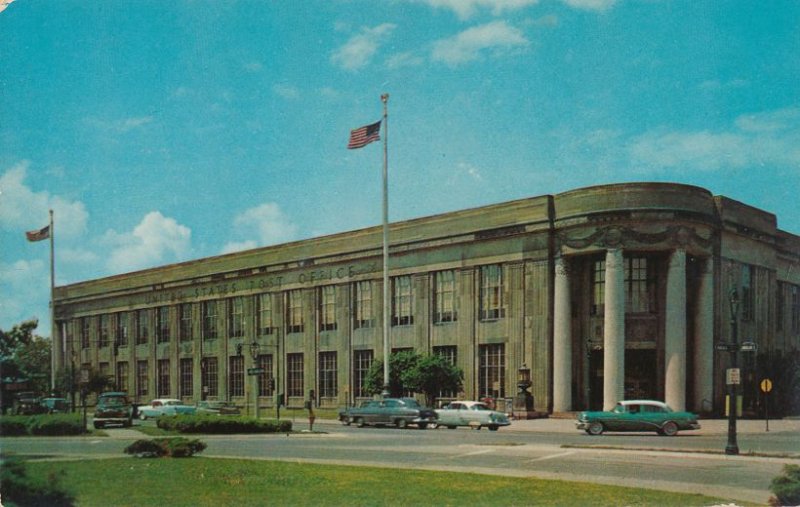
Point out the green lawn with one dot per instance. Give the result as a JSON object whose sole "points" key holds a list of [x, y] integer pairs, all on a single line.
{"points": [[217, 482]]}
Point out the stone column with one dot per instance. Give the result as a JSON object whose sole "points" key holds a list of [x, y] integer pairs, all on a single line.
{"points": [[614, 330], [675, 333], [562, 340], [704, 340]]}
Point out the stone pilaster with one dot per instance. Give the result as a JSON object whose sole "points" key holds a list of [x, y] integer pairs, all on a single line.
{"points": [[704, 340], [614, 330], [562, 340], [675, 333]]}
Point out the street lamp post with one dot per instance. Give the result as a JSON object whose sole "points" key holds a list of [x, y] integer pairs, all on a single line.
{"points": [[254, 350], [732, 447]]}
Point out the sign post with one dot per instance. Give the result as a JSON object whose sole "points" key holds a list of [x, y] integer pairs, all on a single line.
{"points": [[766, 387]]}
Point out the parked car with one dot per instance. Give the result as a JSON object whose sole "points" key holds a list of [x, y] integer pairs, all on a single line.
{"points": [[29, 406], [164, 406], [475, 414], [638, 415], [113, 408], [217, 408], [399, 412], [55, 405]]}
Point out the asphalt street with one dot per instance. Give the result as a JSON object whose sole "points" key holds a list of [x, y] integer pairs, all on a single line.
{"points": [[546, 448]]}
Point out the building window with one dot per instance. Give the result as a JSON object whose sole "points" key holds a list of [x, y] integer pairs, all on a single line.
{"points": [[162, 324], [186, 386], [327, 375], [327, 307], [492, 305], [185, 317], [639, 286], [236, 375], [444, 296], [401, 301], [86, 330], [163, 377], [122, 329], [780, 302], [104, 330], [448, 353], [294, 311], [265, 362], [104, 368], [209, 317], [795, 296], [264, 322], [142, 327], [236, 317], [492, 370], [598, 287], [294, 375], [122, 376], [748, 293], [362, 303], [209, 376], [362, 362], [141, 378]]}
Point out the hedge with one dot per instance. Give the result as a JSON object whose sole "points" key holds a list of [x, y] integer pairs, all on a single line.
{"points": [[213, 424], [44, 424], [175, 447]]}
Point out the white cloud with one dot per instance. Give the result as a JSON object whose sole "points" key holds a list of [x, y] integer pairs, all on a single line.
{"points": [[23, 209], [263, 225], [406, 59], [465, 170], [591, 5], [155, 240], [497, 36], [286, 91], [359, 50], [767, 138], [29, 282], [465, 9]]}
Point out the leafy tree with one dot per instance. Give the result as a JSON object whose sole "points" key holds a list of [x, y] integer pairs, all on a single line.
{"points": [[411, 372], [431, 375], [25, 355], [398, 363]]}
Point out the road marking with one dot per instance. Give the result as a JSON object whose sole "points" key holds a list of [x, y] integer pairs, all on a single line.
{"points": [[552, 456], [473, 453]]}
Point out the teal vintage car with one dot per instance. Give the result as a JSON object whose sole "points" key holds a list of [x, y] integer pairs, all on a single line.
{"points": [[398, 412], [475, 414], [638, 415]]}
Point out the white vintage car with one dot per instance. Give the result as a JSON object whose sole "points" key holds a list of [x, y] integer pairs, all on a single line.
{"points": [[474, 414], [164, 406]]}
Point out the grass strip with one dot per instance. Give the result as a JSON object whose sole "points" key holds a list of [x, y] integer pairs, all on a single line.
{"points": [[213, 482]]}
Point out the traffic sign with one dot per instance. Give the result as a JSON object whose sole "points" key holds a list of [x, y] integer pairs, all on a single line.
{"points": [[732, 376], [723, 347], [766, 385], [749, 347], [255, 371]]}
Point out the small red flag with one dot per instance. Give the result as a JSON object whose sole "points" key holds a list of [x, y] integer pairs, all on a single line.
{"points": [[362, 136]]}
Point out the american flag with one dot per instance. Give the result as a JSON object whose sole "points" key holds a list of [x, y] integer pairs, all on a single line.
{"points": [[362, 136], [39, 235]]}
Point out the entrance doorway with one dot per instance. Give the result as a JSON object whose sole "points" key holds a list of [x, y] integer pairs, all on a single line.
{"points": [[640, 376]]}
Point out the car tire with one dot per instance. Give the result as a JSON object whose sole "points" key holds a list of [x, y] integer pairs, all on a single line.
{"points": [[670, 429], [346, 421], [492, 427], [360, 422], [142, 417], [401, 423], [595, 428], [422, 426], [451, 427]]}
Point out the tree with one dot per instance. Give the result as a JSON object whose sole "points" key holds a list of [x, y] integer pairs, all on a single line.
{"points": [[432, 375], [411, 372], [26, 356]]}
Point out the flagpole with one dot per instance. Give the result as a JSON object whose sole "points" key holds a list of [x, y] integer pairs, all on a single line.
{"points": [[52, 308], [386, 306]]}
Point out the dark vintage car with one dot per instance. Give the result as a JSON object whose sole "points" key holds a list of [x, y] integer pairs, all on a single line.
{"points": [[398, 412], [113, 408], [638, 415], [216, 408]]}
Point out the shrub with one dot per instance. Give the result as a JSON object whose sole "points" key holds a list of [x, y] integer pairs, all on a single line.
{"points": [[13, 425], [212, 424], [175, 447], [56, 424], [786, 487], [19, 489]]}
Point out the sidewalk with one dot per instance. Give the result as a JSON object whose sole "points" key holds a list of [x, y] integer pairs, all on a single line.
{"points": [[707, 426]]}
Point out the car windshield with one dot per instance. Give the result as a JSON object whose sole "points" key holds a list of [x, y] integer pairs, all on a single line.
{"points": [[411, 403], [114, 401], [480, 406]]}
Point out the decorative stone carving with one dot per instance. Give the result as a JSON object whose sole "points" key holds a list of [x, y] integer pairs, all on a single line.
{"points": [[615, 236]]}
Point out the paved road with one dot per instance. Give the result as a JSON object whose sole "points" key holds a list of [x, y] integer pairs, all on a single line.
{"points": [[526, 449]]}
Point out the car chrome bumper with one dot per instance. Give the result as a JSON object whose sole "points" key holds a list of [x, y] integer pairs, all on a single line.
{"points": [[581, 425]]}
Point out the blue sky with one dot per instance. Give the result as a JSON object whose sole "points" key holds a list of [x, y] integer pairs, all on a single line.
{"points": [[162, 132]]}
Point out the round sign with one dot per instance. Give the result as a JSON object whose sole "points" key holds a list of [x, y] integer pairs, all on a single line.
{"points": [[766, 385]]}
